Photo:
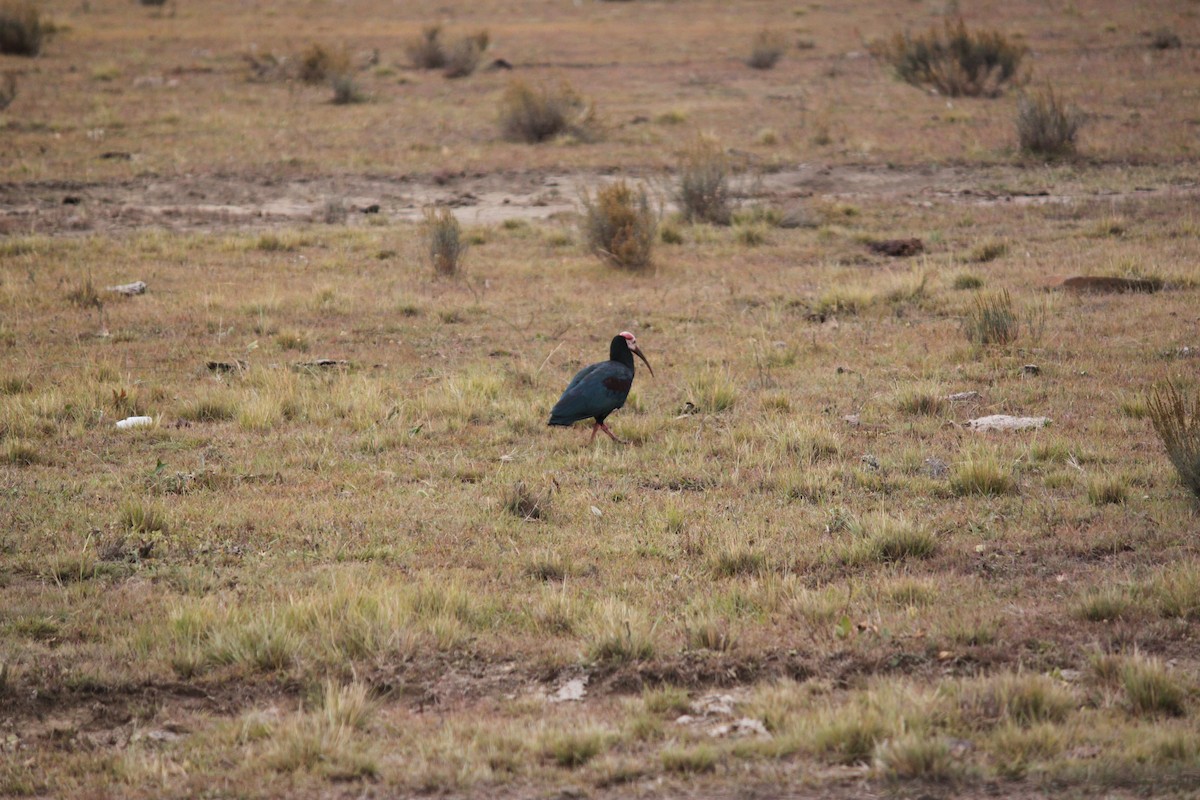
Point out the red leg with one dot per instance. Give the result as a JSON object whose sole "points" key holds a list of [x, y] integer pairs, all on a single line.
{"points": [[595, 428], [612, 435]]}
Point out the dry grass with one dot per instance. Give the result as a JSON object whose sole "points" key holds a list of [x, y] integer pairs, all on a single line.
{"points": [[23, 31], [1047, 126], [445, 246], [702, 190], [320, 64], [1177, 423], [620, 226], [767, 49], [955, 61], [338, 567], [536, 114]]}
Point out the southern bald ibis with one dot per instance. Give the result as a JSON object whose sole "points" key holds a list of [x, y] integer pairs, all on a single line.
{"points": [[600, 389]]}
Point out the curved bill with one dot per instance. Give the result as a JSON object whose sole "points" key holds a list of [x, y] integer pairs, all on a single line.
{"points": [[637, 351]]}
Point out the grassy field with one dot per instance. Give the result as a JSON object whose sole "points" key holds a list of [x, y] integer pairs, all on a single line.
{"points": [[805, 576]]}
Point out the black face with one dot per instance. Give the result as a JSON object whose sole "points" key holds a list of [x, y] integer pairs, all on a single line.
{"points": [[624, 347]]}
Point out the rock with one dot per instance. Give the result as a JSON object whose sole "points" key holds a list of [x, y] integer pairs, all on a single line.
{"points": [[898, 248], [572, 690], [1031, 369], [1108, 283], [135, 422], [962, 397], [129, 289], [498, 64], [870, 460], [1004, 422]]}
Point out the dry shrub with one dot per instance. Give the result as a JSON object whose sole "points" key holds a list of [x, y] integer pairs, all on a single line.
{"points": [[8, 90], [1177, 423], [529, 114], [767, 49], [702, 191], [954, 61], [1047, 125], [427, 50], [345, 91], [463, 58], [318, 64], [620, 226], [444, 241], [22, 29]]}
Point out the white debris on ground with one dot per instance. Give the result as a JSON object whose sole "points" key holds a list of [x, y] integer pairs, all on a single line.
{"points": [[1003, 422], [135, 422], [572, 690], [715, 711], [129, 289]]}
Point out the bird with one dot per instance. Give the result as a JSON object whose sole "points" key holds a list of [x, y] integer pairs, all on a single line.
{"points": [[599, 389]]}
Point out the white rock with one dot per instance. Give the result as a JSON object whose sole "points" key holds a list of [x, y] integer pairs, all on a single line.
{"points": [[746, 726], [1003, 422], [573, 689], [129, 289], [135, 422]]}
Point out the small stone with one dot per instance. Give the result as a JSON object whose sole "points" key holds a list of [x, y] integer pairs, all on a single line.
{"points": [[962, 397]]}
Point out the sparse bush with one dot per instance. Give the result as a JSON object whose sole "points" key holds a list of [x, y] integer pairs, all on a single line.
{"points": [[1046, 125], [620, 226], [712, 392], [8, 90], [1165, 39], [926, 399], [210, 408], [1177, 423], [619, 633], [427, 51], [574, 749], [533, 115], [768, 48], [751, 235], [444, 241], [988, 250], [884, 539], [463, 58], [706, 630], [702, 191], [915, 756], [20, 453], [85, 295], [137, 517], [345, 90], [955, 61], [318, 64], [992, 320], [691, 760], [22, 29]]}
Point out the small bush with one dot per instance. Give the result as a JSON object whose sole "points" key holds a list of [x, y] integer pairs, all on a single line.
{"points": [[693, 760], [521, 501], [345, 90], [534, 115], [137, 517], [463, 58], [1046, 125], [427, 51], [85, 295], [620, 226], [768, 48], [444, 241], [318, 64], [1165, 39], [927, 399], [712, 392], [965, 280], [619, 633], [1177, 423], [955, 61], [21, 454], [915, 756], [8, 90], [574, 749], [22, 29], [702, 191], [991, 320], [988, 250]]}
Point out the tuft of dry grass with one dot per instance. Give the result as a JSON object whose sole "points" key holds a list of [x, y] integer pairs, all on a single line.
{"points": [[462, 59], [1151, 689], [426, 50], [320, 64], [955, 61], [445, 246], [521, 501], [1047, 126], [702, 191], [992, 320], [982, 472], [536, 114], [22, 29], [620, 226], [8, 90], [1177, 423], [767, 49]]}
